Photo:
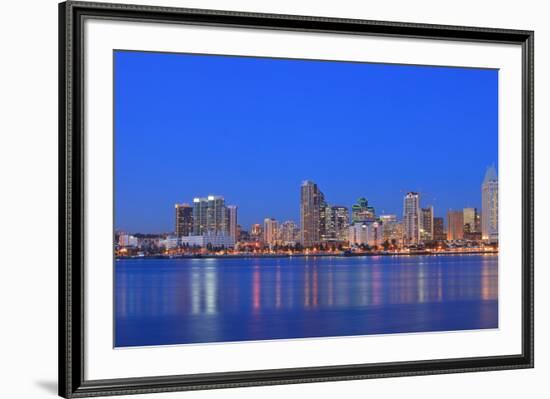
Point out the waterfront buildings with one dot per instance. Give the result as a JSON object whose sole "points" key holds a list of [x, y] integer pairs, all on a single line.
{"points": [[311, 202], [209, 239], [439, 229], [184, 220], [489, 206], [427, 224], [271, 228], [209, 215], [411, 218], [455, 225], [361, 211], [127, 240], [233, 227]]}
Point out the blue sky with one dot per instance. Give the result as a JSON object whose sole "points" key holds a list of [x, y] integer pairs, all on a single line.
{"points": [[251, 129]]}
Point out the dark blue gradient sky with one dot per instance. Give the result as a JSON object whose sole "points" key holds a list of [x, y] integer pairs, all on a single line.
{"points": [[251, 129]]}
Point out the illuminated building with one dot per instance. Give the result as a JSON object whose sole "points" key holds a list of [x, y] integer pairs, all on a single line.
{"points": [[184, 220], [471, 220], [127, 240], [361, 211], [427, 224], [489, 206], [271, 228], [392, 229], [211, 238], [257, 232], [366, 233], [289, 233], [334, 223], [411, 218], [209, 215], [455, 225], [232, 225], [311, 202]]}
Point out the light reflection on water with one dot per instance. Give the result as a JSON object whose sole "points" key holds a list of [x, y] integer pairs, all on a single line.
{"points": [[208, 300]]}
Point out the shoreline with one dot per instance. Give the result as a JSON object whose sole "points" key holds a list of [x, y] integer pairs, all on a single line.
{"points": [[335, 255]]}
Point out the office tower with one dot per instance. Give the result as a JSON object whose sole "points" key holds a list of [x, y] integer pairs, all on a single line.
{"points": [[257, 232], [361, 211], [334, 223], [270, 231], [427, 224], [184, 220], [311, 202], [455, 225], [209, 215], [411, 217], [489, 206], [232, 222], [471, 220], [439, 229]]}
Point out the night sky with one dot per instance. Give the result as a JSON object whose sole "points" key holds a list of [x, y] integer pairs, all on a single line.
{"points": [[252, 129]]}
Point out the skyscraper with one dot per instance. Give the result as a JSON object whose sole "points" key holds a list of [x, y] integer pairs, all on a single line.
{"points": [[271, 231], [411, 217], [311, 202], [334, 223], [184, 220], [455, 225], [427, 224], [489, 206], [232, 222], [209, 215]]}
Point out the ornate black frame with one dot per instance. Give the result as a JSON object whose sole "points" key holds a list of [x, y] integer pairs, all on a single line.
{"points": [[71, 200]]}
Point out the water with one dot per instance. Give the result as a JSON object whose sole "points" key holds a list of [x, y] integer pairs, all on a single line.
{"points": [[179, 301]]}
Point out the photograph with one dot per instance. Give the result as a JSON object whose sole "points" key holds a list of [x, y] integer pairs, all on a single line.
{"points": [[262, 198]]}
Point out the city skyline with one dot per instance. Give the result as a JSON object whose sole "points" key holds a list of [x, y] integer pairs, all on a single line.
{"points": [[390, 131], [322, 222]]}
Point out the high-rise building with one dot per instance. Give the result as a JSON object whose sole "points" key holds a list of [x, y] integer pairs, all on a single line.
{"points": [[184, 220], [489, 206], [311, 202], [232, 222], [439, 229], [392, 229], [289, 234], [361, 211], [471, 220], [411, 218], [257, 232], [427, 224], [209, 215], [271, 228], [334, 223], [455, 225]]}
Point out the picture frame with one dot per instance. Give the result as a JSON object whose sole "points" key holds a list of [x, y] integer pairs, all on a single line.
{"points": [[72, 205]]}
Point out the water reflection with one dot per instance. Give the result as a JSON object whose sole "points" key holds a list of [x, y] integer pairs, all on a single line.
{"points": [[207, 300]]}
